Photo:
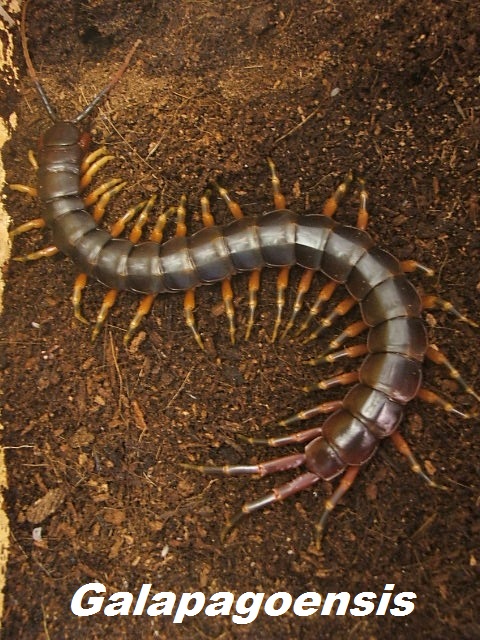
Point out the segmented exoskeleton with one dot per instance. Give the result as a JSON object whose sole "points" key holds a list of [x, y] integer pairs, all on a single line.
{"points": [[390, 375]]}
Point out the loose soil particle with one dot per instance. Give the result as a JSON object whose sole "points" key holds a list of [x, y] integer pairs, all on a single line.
{"points": [[97, 433]]}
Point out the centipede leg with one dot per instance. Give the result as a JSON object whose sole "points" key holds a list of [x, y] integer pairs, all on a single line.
{"points": [[208, 221], [299, 436], [354, 351], [78, 287], [434, 302], [282, 284], [36, 223], [329, 209], [331, 205], [261, 469], [325, 407], [342, 379], [280, 203], [147, 301], [189, 298], [346, 482], [324, 296], [278, 494], [91, 157], [433, 398], [24, 188], [46, 252], [253, 289], [362, 217], [253, 280], [352, 331], [141, 213], [340, 310], [101, 196], [409, 266], [303, 288], [92, 164], [304, 481], [402, 446], [437, 356]]}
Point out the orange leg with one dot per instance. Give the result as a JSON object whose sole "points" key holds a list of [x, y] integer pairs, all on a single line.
{"points": [[306, 414], [253, 288], [208, 221], [109, 300], [435, 355], [24, 188], [278, 197], [147, 301], [36, 223], [433, 398], [352, 331], [341, 309], [355, 351], [282, 284], [254, 278], [143, 309], [188, 309], [46, 252], [303, 288], [91, 157], [342, 379], [434, 302], [78, 287], [280, 203], [331, 205], [92, 164], [189, 298], [329, 209], [324, 296], [402, 446], [141, 212], [100, 197], [362, 218], [409, 266]]}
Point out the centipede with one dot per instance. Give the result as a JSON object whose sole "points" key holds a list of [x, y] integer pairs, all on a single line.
{"points": [[390, 374]]}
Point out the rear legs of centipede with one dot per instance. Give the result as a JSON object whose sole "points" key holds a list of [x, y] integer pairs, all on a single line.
{"points": [[333, 354]]}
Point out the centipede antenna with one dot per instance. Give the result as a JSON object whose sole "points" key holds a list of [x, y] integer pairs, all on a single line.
{"points": [[116, 77], [31, 69]]}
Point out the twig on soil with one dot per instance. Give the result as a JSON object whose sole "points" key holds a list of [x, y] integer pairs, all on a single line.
{"points": [[297, 126]]}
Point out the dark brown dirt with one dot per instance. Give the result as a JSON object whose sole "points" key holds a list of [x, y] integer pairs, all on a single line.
{"points": [[388, 89]]}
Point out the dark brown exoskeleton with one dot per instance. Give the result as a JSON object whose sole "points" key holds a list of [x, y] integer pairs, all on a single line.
{"points": [[390, 375]]}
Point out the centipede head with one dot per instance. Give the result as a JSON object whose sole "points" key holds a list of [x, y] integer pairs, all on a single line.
{"points": [[64, 133]]}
